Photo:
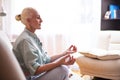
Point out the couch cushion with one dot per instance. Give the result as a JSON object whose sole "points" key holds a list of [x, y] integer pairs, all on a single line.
{"points": [[102, 54], [108, 40], [9, 67], [114, 43], [5, 40], [107, 69], [103, 40]]}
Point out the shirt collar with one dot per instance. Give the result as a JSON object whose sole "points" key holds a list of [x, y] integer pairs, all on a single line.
{"points": [[30, 33]]}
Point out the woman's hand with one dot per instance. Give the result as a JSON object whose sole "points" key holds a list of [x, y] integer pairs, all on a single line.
{"points": [[66, 60], [71, 49], [69, 60]]}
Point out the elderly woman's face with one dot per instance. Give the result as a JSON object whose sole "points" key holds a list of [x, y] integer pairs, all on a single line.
{"points": [[36, 20]]}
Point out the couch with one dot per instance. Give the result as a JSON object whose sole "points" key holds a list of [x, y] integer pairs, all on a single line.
{"points": [[9, 67], [109, 68]]}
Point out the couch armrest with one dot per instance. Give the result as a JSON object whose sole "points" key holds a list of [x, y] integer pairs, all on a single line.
{"points": [[9, 67]]}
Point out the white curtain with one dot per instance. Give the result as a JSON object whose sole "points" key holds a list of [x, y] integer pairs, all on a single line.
{"points": [[65, 22]]}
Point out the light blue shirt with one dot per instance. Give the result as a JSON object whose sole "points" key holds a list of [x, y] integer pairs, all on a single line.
{"points": [[29, 52]]}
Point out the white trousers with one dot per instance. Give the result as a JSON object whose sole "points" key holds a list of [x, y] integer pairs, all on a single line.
{"points": [[59, 73]]}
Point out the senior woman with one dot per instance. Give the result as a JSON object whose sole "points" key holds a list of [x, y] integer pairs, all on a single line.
{"points": [[34, 61]]}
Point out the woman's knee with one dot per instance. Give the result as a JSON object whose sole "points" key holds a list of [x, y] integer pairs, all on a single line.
{"points": [[59, 73], [64, 70]]}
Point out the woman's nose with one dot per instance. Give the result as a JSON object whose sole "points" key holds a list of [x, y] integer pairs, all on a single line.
{"points": [[41, 20]]}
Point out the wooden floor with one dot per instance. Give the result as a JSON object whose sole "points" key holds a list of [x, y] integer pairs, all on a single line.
{"points": [[78, 76], [76, 73]]}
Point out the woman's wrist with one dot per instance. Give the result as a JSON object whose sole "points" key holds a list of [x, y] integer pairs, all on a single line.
{"points": [[64, 53]]}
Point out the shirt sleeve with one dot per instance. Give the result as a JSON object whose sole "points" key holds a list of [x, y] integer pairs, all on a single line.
{"points": [[30, 56], [48, 59]]}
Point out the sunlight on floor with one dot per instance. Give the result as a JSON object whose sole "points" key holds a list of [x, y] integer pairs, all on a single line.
{"points": [[75, 70], [78, 76]]}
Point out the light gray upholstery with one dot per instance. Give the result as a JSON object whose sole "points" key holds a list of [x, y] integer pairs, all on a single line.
{"points": [[9, 67]]}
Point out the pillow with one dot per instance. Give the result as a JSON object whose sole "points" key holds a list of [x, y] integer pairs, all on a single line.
{"points": [[102, 54]]}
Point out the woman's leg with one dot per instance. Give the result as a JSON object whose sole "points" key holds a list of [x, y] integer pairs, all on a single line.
{"points": [[59, 73]]}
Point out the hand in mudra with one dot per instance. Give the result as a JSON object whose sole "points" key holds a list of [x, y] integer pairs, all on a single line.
{"points": [[71, 49], [66, 60]]}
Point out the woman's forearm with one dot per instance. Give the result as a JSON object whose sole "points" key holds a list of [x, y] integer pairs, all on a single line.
{"points": [[47, 67], [54, 57]]}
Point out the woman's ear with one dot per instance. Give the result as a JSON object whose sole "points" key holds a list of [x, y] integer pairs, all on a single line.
{"points": [[28, 20]]}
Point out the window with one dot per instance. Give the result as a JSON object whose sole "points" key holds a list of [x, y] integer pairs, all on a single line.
{"points": [[77, 20]]}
